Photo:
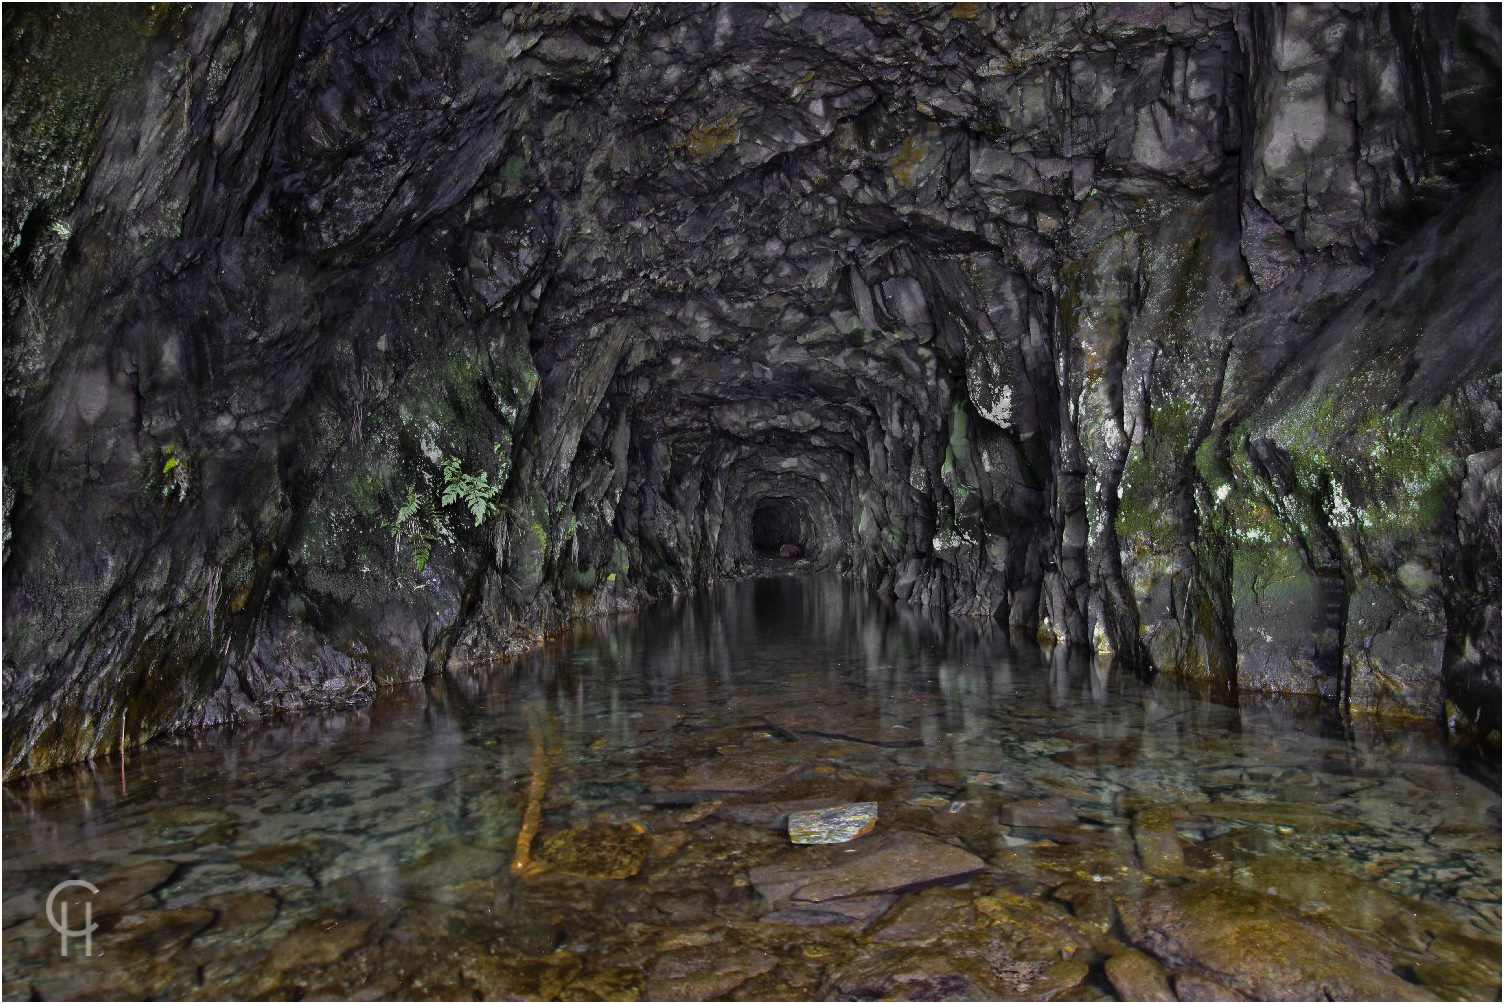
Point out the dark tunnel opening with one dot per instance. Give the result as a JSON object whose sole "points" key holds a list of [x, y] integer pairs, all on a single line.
{"points": [[779, 521]]}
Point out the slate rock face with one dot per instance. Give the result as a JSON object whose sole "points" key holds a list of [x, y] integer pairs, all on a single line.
{"points": [[345, 344]]}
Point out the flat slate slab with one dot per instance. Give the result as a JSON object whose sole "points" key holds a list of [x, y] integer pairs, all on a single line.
{"points": [[834, 825], [895, 862], [736, 773]]}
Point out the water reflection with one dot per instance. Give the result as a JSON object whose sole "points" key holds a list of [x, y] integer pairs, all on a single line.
{"points": [[580, 822]]}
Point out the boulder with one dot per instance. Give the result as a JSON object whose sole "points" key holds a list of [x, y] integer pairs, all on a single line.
{"points": [[1256, 945]]}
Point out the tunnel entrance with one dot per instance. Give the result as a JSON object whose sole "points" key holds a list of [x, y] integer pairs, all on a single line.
{"points": [[777, 521]]}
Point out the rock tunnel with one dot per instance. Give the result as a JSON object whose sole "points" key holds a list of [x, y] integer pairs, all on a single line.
{"points": [[349, 345], [779, 521]]}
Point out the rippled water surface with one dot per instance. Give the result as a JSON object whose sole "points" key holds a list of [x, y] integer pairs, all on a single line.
{"points": [[607, 820]]}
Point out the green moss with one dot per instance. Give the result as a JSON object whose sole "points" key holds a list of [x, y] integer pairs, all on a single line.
{"points": [[707, 139], [1151, 479], [1185, 292], [511, 171], [64, 61], [1367, 464], [621, 560], [957, 453], [1270, 572], [364, 494], [529, 548], [1210, 464]]}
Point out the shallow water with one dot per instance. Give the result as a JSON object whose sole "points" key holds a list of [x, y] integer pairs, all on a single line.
{"points": [[1037, 817]]}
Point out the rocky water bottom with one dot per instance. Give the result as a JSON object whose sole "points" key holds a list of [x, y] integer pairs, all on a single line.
{"points": [[608, 821]]}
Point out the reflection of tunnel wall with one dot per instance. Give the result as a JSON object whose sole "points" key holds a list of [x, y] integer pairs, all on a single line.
{"points": [[777, 521]]}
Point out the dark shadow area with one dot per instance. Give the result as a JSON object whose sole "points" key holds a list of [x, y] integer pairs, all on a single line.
{"points": [[778, 522]]}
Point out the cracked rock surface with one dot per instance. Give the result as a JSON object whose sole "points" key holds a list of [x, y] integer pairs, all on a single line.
{"points": [[347, 344]]}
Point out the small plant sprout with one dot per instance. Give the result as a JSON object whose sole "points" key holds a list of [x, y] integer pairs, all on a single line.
{"points": [[174, 474]]}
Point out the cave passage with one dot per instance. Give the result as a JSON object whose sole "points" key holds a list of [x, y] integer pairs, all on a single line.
{"points": [[939, 383], [777, 522], [536, 314]]}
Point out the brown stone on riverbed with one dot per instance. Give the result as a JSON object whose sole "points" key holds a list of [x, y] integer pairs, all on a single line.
{"points": [[1136, 977], [1055, 811], [835, 824], [1199, 988], [130, 884], [935, 974], [158, 932], [736, 773], [1259, 947], [614, 851], [814, 878], [705, 972], [318, 941]]}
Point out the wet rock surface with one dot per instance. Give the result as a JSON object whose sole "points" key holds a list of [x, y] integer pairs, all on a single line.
{"points": [[611, 852], [351, 344], [890, 863], [1251, 943], [835, 825]]}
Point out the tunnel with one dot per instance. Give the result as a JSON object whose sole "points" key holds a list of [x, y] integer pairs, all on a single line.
{"points": [[1017, 313], [407, 407], [779, 521]]}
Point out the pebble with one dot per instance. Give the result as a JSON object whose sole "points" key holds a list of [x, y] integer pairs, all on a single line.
{"points": [[834, 825]]}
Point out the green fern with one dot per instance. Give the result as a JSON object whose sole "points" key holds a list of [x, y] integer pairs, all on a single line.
{"points": [[419, 519], [475, 490], [408, 511], [422, 549], [422, 536]]}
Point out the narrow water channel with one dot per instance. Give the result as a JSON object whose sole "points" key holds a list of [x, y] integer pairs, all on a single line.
{"points": [[608, 820]]}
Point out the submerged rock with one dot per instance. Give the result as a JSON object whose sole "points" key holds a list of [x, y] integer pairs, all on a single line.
{"points": [[1039, 812], [319, 942], [1190, 987], [927, 916], [704, 973], [844, 880], [615, 851], [835, 825], [967, 965], [736, 773], [1137, 977], [1260, 947]]}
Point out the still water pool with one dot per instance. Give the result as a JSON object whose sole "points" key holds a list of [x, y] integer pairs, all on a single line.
{"points": [[607, 819]]}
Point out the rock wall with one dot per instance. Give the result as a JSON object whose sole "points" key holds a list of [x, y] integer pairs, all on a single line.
{"points": [[347, 344]]}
